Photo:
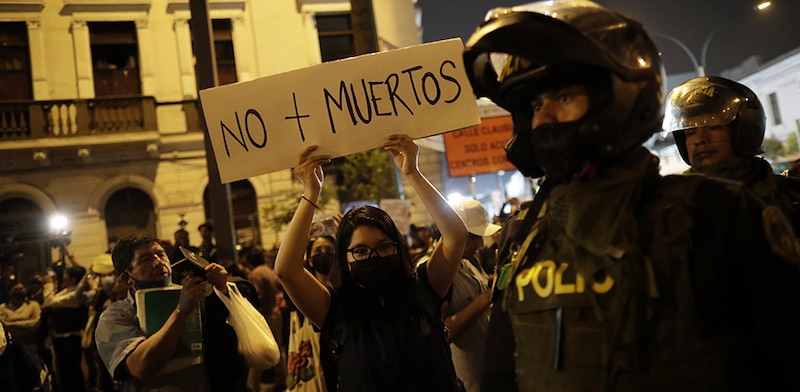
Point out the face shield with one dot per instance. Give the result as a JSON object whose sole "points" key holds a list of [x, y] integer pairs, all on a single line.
{"points": [[700, 103]]}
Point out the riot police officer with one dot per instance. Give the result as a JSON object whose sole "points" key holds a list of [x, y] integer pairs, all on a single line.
{"points": [[718, 125], [616, 278]]}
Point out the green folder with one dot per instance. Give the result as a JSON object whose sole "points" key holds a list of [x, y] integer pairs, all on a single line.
{"points": [[153, 308]]}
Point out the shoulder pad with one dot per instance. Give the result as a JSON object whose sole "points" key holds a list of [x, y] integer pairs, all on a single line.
{"points": [[780, 235]]}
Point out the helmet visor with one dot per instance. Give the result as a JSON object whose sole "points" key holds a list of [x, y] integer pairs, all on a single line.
{"points": [[700, 103], [514, 44]]}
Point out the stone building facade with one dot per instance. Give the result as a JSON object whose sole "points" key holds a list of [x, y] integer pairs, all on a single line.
{"points": [[99, 113]]}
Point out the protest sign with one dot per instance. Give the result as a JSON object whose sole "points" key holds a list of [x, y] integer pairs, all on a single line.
{"points": [[345, 106], [479, 149]]}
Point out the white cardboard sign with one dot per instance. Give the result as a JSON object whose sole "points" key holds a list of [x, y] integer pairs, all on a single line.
{"points": [[345, 106]]}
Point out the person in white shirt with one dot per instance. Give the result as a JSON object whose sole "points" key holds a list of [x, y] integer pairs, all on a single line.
{"points": [[21, 316]]}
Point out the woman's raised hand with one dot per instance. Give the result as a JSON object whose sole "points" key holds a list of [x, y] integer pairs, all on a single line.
{"points": [[405, 152], [308, 169]]}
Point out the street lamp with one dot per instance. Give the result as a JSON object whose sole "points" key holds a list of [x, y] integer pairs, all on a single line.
{"points": [[59, 237], [57, 224], [700, 70], [700, 67]]}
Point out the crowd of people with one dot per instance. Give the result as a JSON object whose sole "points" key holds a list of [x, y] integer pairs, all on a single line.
{"points": [[613, 277], [52, 318]]}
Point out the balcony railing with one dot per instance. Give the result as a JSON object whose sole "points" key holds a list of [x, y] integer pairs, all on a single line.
{"points": [[27, 120]]}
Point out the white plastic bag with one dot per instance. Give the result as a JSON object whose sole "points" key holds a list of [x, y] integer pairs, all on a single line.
{"points": [[304, 366], [256, 342]]}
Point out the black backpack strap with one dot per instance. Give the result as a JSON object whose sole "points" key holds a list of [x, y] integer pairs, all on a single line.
{"points": [[341, 332]]}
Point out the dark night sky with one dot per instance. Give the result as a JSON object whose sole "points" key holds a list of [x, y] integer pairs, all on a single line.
{"points": [[741, 31]]}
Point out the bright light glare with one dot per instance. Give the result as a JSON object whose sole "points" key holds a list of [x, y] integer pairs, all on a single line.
{"points": [[58, 223], [454, 198], [763, 5]]}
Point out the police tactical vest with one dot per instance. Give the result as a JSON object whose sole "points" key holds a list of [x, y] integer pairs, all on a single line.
{"points": [[627, 325]]}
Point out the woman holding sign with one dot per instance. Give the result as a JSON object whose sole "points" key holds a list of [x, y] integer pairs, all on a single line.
{"points": [[381, 320]]}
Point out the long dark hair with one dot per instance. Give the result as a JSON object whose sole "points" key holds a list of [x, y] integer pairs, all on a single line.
{"points": [[365, 216]]}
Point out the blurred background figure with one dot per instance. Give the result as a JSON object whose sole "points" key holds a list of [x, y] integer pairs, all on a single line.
{"points": [[21, 317], [207, 248], [793, 170], [421, 241], [102, 280], [271, 305], [70, 313], [510, 207], [319, 258], [181, 238], [37, 286], [466, 306]]}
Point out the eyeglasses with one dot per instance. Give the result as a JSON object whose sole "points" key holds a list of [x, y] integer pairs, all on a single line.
{"points": [[363, 252]]}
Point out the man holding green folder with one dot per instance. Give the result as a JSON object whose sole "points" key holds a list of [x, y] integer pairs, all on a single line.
{"points": [[150, 360]]}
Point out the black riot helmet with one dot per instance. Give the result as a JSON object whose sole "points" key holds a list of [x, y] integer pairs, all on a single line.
{"points": [[714, 101], [521, 51]]}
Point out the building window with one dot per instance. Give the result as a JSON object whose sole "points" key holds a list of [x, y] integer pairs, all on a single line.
{"points": [[15, 64], [129, 211], [115, 58], [336, 36], [223, 48], [776, 110]]}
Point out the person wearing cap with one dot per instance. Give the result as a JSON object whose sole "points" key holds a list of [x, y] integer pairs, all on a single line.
{"points": [[466, 306], [719, 125], [616, 278]]}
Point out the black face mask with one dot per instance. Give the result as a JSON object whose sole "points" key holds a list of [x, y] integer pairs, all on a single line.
{"points": [[554, 150], [379, 274], [559, 149], [519, 150], [520, 153], [321, 262]]}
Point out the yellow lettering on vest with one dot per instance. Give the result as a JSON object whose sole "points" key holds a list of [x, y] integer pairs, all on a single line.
{"points": [[522, 280], [604, 286], [580, 283], [561, 287], [549, 269]]}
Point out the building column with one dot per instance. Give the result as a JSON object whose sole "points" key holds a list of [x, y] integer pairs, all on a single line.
{"points": [[312, 36], [146, 63], [83, 59], [183, 39], [38, 70], [243, 49]]}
